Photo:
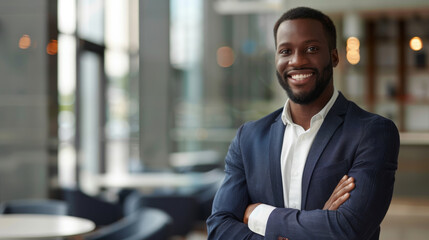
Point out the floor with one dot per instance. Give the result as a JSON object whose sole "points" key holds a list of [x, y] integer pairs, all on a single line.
{"points": [[406, 219]]}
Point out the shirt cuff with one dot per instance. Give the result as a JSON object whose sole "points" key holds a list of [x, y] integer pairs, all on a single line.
{"points": [[259, 217]]}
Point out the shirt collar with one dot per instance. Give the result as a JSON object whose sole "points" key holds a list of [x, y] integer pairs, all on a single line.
{"points": [[287, 118]]}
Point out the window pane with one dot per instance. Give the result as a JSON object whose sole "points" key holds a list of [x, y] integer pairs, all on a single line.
{"points": [[91, 20], [90, 128]]}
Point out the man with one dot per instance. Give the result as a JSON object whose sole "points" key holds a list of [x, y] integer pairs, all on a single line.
{"points": [[318, 168]]}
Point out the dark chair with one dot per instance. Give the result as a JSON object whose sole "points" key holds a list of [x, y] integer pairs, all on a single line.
{"points": [[187, 206], [35, 206], [96, 209], [131, 201], [182, 208], [144, 224]]}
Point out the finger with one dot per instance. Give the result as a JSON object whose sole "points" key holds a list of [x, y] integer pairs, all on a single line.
{"points": [[337, 203], [341, 182], [342, 186], [345, 185], [334, 193], [345, 189]]}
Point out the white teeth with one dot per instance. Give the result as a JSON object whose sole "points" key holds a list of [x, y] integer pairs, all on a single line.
{"points": [[301, 76]]}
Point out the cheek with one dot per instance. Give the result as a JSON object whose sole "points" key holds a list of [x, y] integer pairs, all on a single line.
{"points": [[281, 64], [321, 63]]}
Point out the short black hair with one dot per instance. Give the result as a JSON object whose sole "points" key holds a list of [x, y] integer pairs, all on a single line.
{"points": [[306, 12]]}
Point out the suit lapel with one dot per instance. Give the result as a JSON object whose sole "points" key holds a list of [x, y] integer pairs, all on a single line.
{"points": [[276, 142], [332, 121]]}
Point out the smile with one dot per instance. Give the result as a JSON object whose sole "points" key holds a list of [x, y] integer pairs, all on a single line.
{"points": [[299, 77]]}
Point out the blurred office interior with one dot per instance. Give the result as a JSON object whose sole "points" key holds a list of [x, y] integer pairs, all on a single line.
{"points": [[97, 90]]}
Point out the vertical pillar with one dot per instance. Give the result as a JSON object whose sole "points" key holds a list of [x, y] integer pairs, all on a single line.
{"points": [[52, 71], [154, 82]]}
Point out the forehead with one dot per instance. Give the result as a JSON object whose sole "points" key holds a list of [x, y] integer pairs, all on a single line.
{"points": [[294, 30]]}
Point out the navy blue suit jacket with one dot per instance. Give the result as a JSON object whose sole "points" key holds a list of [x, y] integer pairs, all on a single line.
{"points": [[351, 141]]}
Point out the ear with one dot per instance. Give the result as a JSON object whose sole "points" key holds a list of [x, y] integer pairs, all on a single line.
{"points": [[334, 57]]}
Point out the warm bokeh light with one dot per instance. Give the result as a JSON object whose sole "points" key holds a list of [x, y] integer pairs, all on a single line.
{"points": [[353, 43], [52, 47], [24, 42], [225, 56], [353, 55], [416, 43]]}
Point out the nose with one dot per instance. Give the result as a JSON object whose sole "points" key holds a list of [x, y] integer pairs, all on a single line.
{"points": [[297, 59]]}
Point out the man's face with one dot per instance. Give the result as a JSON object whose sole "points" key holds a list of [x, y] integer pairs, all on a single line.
{"points": [[304, 60]]}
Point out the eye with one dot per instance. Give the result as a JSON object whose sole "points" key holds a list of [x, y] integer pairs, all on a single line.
{"points": [[285, 51], [312, 49]]}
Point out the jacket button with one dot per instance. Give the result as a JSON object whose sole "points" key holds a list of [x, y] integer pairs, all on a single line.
{"points": [[282, 238]]}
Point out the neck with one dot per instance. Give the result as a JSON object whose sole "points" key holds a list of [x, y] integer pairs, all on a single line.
{"points": [[302, 113]]}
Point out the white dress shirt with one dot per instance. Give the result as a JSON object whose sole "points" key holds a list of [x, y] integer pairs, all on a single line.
{"points": [[296, 145]]}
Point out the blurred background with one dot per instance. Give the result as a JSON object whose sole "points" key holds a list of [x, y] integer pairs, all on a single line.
{"points": [[92, 91]]}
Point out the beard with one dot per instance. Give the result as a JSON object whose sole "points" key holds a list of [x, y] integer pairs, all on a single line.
{"points": [[322, 81]]}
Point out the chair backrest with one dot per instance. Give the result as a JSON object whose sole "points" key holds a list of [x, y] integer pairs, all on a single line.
{"points": [[182, 208], [98, 210], [36, 206], [145, 224], [131, 201]]}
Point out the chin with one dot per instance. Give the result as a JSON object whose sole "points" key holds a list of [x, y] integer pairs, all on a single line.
{"points": [[301, 97]]}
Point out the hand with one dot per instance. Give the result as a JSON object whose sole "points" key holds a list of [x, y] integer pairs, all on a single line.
{"points": [[339, 196], [248, 211], [341, 193]]}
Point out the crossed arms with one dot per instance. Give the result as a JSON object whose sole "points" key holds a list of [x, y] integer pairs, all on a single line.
{"points": [[346, 214], [338, 197]]}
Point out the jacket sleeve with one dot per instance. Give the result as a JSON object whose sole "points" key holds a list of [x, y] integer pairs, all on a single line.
{"points": [[231, 201], [373, 168]]}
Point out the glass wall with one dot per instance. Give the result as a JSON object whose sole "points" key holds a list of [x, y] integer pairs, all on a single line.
{"points": [[97, 79], [221, 74]]}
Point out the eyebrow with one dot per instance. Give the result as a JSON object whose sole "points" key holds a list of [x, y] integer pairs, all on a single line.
{"points": [[305, 42]]}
